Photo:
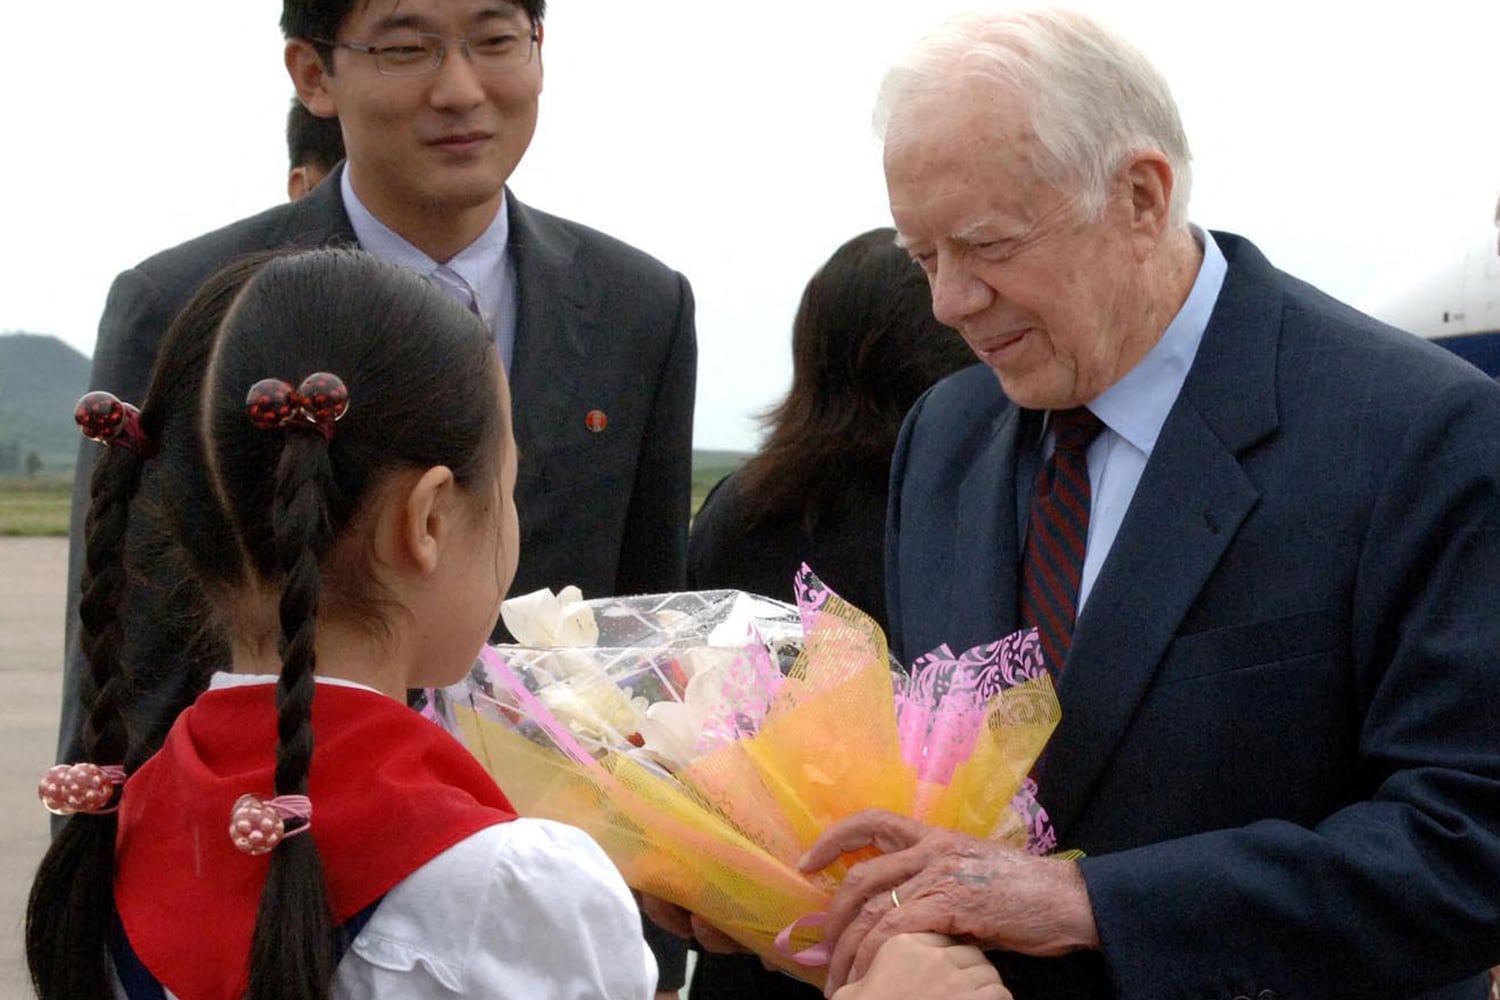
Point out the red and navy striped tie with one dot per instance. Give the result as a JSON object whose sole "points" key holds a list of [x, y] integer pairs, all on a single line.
{"points": [[1057, 534]]}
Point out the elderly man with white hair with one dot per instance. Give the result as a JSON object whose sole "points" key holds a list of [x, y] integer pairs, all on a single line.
{"points": [[1257, 531]]}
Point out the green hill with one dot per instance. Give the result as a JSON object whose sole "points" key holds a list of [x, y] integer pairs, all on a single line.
{"points": [[41, 379], [711, 466]]}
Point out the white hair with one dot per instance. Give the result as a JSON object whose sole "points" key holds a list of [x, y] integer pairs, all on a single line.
{"points": [[1093, 99]]}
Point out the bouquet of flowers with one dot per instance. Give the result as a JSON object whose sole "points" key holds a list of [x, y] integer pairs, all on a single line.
{"points": [[705, 739]]}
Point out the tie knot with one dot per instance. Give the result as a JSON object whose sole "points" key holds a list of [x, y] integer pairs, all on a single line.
{"points": [[1075, 429], [454, 284]]}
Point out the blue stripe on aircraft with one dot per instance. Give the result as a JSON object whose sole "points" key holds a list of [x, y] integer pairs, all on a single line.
{"points": [[1482, 350]]}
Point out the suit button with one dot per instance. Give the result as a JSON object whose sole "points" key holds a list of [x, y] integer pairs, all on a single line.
{"points": [[1242, 997], [1266, 995]]}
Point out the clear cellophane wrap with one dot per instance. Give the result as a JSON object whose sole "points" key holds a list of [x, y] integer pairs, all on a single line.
{"points": [[705, 740]]}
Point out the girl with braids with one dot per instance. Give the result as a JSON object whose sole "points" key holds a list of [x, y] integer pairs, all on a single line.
{"points": [[332, 434]]}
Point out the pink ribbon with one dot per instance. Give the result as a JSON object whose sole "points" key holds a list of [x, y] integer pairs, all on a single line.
{"points": [[813, 957], [293, 807], [116, 776], [559, 733]]}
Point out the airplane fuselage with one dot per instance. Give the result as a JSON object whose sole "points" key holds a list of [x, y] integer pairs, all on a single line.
{"points": [[1457, 306]]}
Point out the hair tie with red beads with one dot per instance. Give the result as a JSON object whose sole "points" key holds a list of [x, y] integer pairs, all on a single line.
{"points": [[257, 825], [103, 418], [320, 401], [81, 788]]}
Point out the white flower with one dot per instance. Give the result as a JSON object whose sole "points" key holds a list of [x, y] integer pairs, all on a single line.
{"points": [[542, 619], [722, 694], [670, 732], [595, 709], [564, 664]]}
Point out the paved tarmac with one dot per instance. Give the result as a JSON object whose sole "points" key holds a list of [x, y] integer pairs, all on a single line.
{"points": [[33, 578]]}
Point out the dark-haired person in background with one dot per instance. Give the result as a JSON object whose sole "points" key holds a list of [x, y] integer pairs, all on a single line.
{"points": [[314, 146], [864, 346], [438, 102]]}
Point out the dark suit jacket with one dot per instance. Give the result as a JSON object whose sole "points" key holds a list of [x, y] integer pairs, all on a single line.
{"points": [[600, 326], [1280, 741]]}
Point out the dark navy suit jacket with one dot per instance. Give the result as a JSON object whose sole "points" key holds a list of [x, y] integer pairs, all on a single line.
{"points": [[1280, 740], [600, 326]]}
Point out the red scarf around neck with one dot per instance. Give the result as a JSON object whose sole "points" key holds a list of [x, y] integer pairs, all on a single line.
{"points": [[389, 789]]}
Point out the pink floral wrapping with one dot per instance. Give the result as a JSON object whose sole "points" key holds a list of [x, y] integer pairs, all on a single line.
{"points": [[708, 738]]}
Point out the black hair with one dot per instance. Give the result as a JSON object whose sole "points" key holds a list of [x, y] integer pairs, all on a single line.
{"points": [[253, 509], [865, 345], [72, 902], [312, 140], [72, 898], [312, 19]]}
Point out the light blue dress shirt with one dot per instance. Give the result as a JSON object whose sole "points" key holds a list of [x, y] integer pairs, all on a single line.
{"points": [[1134, 409], [484, 265]]}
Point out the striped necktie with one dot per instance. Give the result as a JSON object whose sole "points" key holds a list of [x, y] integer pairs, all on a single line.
{"points": [[1057, 533]]}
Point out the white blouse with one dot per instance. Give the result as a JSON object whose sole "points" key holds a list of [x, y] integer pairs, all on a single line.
{"points": [[526, 909]]}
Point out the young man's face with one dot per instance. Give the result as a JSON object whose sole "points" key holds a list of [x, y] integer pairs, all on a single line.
{"points": [[440, 142]]}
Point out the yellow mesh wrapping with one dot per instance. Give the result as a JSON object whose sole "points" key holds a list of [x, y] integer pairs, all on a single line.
{"points": [[723, 839], [976, 801]]}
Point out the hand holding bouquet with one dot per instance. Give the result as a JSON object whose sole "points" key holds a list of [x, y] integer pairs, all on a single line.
{"points": [[706, 739]]}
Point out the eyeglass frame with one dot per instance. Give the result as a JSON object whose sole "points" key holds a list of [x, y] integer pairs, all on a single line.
{"points": [[444, 43]]}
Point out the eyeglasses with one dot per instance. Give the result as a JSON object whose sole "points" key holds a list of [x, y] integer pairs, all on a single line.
{"points": [[420, 52]]}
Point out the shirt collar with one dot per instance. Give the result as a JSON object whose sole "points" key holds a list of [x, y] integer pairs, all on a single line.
{"points": [[478, 263], [223, 679], [1136, 406]]}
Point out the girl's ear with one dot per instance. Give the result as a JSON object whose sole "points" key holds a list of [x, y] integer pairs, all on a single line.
{"points": [[415, 520]]}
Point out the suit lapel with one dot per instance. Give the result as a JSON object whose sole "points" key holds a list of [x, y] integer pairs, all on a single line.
{"points": [[985, 537], [1177, 529], [1191, 501], [553, 321]]}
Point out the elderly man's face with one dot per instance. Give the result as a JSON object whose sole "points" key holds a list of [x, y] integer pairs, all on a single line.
{"points": [[1050, 302]]}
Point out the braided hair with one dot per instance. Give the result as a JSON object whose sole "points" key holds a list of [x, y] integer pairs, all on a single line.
{"points": [[409, 355], [251, 511], [71, 905]]}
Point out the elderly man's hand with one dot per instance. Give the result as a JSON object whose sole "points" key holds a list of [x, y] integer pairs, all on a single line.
{"points": [[927, 967], [946, 882]]}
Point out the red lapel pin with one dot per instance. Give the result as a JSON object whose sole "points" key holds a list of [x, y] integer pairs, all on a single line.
{"points": [[596, 421]]}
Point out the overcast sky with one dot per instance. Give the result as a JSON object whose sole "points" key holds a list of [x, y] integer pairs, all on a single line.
{"points": [[733, 141]]}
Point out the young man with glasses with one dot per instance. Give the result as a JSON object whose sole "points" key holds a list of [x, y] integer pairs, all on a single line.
{"points": [[437, 100]]}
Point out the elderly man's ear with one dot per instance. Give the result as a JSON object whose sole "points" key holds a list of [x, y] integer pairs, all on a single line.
{"points": [[1149, 178]]}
